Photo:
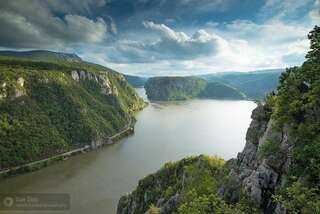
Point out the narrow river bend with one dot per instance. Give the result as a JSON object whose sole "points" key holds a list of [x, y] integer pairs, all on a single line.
{"points": [[163, 132]]}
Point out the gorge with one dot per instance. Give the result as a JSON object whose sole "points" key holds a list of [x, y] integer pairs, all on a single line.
{"points": [[276, 172], [96, 180]]}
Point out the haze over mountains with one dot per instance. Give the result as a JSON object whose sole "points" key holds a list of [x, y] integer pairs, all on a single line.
{"points": [[254, 84], [206, 66], [183, 88], [277, 172]]}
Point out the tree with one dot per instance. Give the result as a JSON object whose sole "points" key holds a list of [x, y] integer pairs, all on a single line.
{"points": [[313, 55]]}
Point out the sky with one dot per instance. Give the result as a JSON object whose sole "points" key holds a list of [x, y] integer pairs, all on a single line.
{"points": [[165, 37]]}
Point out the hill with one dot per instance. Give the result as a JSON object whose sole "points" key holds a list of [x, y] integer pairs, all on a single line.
{"points": [[42, 55], [255, 84], [277, 171], [50, 107], [136, 81], [182, 88]]}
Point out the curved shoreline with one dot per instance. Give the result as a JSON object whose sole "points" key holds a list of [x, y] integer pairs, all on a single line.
{"points": [[36, 165]]}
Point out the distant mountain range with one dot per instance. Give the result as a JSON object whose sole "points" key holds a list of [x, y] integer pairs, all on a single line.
{"points": [[136, 81], [183, 88], [42, 55], [254, 84]]}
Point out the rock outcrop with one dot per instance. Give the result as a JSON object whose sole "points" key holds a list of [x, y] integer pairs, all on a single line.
{"points": [[14, 90], [48, 108], [257, 171], [166, 188], [182, 88], [102, 79], [260, 173]]}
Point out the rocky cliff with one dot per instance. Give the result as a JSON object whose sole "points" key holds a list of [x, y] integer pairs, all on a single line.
{"points": [[277, 171], [260, 171], [182, 88], [50, 107]]}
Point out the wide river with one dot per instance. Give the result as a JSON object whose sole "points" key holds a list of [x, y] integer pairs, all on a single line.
{"points": [[163, 132]]}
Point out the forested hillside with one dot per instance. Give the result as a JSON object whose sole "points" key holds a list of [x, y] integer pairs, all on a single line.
{"points": [[183, 88], [277, 171], [255, 84], [51, 106]]}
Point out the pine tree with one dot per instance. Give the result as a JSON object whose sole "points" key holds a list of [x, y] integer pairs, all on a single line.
{"points": [[313, 55]]}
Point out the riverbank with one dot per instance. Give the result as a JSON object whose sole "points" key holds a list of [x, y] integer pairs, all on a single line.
{"points": [[163, 132], [36, 165]]}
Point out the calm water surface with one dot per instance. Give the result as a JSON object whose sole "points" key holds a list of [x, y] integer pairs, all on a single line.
{"points": [[163, 132]]}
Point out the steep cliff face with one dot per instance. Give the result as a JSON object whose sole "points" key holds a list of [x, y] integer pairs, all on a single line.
{"points": [[278, 170], [182, 88], [47, 108], [167, 189], [263, 164], [257, 172], [173, 88]]}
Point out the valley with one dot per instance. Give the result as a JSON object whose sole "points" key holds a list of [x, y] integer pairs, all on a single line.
{"points": [[97, 179]]}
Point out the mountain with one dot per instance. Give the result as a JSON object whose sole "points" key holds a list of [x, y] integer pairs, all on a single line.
{"points": [[255, 84], [277, 171], [217, 90], [182, 88], [136, 81], [51, 106], [42, 55]]}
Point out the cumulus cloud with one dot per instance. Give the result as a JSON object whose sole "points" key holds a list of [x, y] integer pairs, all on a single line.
{"points": [[178, 52], [184, 36], [274, 36], [170, 45], [33, 24]]}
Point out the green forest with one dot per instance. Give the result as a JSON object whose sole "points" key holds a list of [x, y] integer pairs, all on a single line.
{"points": [[44, 111], [193, 185]]}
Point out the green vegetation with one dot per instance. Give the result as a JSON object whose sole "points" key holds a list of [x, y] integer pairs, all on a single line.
{"points": [[216, 90], [298, 198], [42, 55], [183, 88], [136, 81], [191, 183], [174, 88], [269, 148], [297, 105], [44, 111], [255, 84]]}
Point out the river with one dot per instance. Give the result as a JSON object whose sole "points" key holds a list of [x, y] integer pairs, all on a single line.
{"points": [[163, 132]]}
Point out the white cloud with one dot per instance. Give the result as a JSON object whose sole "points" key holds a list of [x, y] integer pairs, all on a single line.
{"points": [[277, 38], [315, 13], [167, 32], [168, 45], [32, 24]]}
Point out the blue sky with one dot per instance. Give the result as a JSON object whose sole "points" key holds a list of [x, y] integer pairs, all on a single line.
{"points": [[165, 37]]}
